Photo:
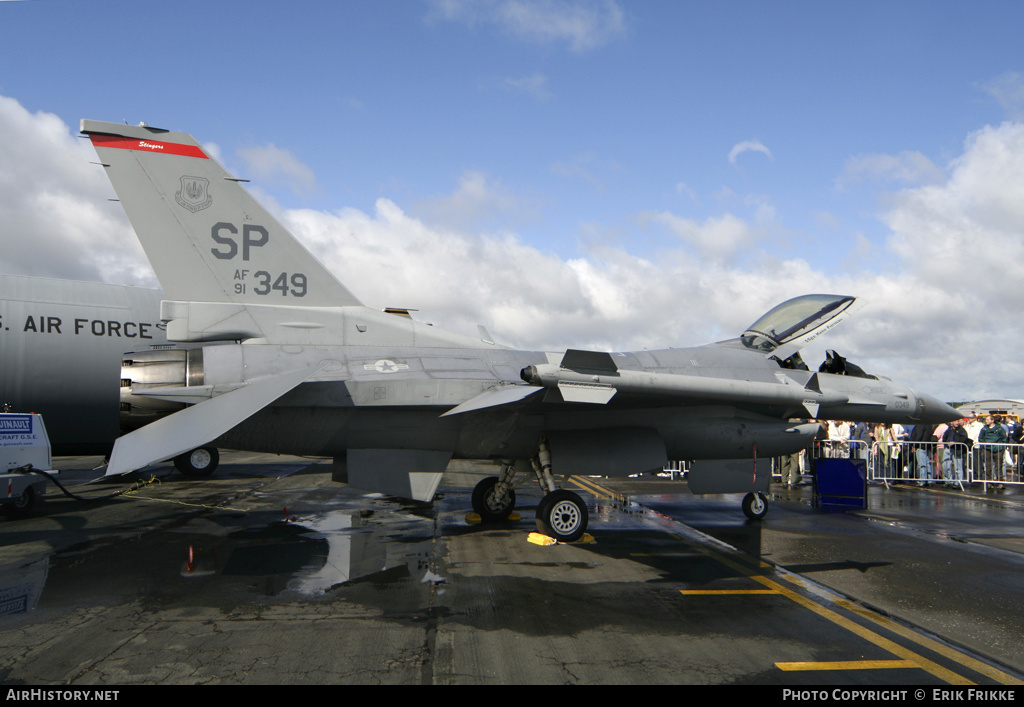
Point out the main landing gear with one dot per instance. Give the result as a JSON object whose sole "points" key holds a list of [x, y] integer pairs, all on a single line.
{"points": [[561, 514]]}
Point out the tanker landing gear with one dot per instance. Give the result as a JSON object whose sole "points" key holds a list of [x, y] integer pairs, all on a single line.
{"points": [[197, 463], [561, 514]]}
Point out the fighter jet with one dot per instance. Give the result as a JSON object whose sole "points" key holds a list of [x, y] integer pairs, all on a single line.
{"points": [[288, 360]]}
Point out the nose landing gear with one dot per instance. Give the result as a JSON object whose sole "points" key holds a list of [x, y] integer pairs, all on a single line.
{"points": [[755, 506]]}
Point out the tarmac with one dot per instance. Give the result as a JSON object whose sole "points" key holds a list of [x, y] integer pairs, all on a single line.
{"points": [[269, 572]]}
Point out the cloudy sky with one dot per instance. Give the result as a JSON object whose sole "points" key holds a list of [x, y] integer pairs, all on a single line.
{"points": [[585, 173]]}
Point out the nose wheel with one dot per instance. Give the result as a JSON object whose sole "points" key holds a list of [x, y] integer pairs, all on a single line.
{"points": [[755, 506]]}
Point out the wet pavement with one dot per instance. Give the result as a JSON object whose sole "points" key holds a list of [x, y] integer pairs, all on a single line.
{"points": [[271, 573], [950, 562]]}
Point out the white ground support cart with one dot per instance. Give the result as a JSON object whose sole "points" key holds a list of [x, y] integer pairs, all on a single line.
{"points": [[24, 445]]}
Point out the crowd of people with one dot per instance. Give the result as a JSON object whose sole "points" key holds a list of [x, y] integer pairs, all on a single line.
{"points": [[990, 444]]}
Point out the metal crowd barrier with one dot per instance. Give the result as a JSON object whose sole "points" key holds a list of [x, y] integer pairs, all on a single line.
{"points": [[952, 464], [997, 464], [915, 462], [922, 463]]}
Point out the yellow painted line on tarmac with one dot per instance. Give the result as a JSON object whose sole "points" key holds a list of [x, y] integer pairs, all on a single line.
{"points": [[942, 649], [846, 665], [867, 634], [951, 653], [726, 592], [586, 484]]}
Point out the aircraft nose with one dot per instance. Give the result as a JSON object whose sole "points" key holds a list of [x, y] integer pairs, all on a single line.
{"points": [[932, 410]]}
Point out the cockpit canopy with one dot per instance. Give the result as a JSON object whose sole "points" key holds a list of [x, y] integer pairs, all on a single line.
{"points": [[795, 322], [785, 329]]}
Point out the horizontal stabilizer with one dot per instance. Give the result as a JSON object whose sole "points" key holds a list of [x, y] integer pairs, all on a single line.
{"points": [[577, 360], [198, 425], [501, 395], [183, 394]]}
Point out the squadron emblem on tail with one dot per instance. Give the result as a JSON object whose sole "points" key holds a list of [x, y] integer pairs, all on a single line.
{"points": [[194, 194]]}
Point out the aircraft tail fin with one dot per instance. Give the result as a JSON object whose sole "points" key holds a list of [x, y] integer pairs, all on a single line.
{"points": [[207, 238]]}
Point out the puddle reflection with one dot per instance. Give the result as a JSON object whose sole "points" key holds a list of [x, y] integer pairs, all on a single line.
{"points": [[324, 550]]}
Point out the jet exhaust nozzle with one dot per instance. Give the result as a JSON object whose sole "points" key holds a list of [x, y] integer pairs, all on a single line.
{"points": [[142, 370]]}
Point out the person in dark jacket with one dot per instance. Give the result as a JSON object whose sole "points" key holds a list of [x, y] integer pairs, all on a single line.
{"points": [[955, 443], [859, 441], [991, 441], [922, 439]]}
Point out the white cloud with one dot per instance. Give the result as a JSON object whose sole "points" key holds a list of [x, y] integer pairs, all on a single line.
{"points": [[582, 24], [277, 166], [717, 239], [608, 299], [748, 146], [476, 204], [944, 299], [1008, 91], [56, 219], [587, 166], [535, 85], [685, 190], [906, 168], [967, 234]]}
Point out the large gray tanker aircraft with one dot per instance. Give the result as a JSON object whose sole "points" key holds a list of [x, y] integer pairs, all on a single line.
{"points": [[61, 343], [287, 360]]}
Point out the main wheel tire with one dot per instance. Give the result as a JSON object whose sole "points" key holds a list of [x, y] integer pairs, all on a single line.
{"points": [[563, 516], [487, 506], [197, 463], [755, 506]]}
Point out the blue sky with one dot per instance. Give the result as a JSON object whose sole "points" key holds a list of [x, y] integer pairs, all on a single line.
{"points": [[675, 168]]}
